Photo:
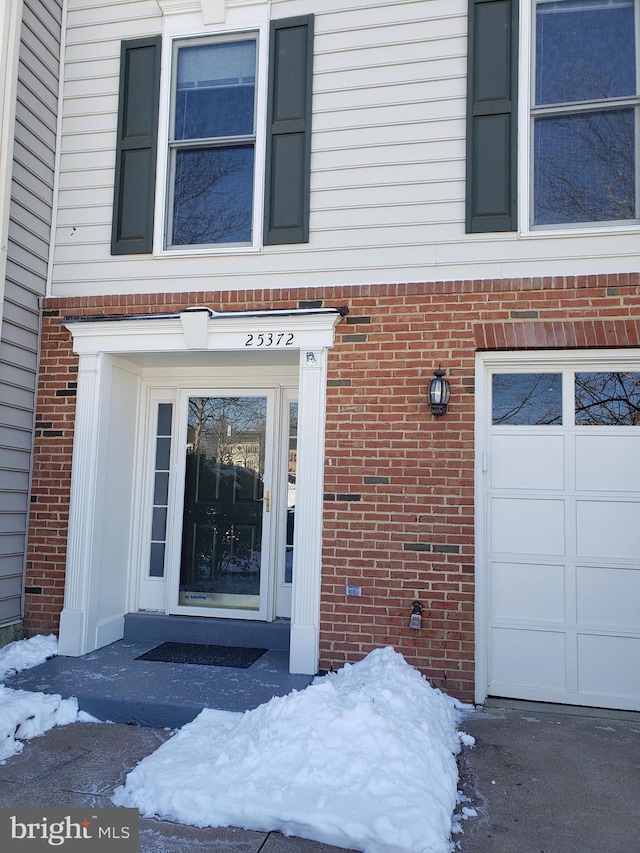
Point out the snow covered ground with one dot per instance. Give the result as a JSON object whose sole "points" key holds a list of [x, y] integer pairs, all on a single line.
{"points": [[363, 758], [24, 715]]}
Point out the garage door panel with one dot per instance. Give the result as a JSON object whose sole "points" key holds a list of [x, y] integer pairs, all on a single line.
{"points": [[528, 592], [608, 529], [560, 533], [608, 597], [527, 461], [608, 665], [524, 526], [607, 463], [528, 658]]}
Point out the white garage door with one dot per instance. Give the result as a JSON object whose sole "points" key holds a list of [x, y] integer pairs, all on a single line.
{"points": [[561, 530]]}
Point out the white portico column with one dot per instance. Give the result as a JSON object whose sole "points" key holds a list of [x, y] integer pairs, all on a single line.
{"points": [[307, 550], [73, 639]]}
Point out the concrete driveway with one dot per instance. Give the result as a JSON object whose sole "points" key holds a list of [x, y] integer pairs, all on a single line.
{"points": [[552, 779], [542, 779]]}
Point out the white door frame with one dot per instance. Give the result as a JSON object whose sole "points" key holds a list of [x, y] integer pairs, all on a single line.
{"points": [[89, 620], [149, 592]]}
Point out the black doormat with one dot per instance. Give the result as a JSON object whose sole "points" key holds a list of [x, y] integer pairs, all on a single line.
{"points": [[238, 657]]}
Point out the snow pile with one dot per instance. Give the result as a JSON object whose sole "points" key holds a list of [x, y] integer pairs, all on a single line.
{"points": [[24, 654], [362, 758], [23, 714]]}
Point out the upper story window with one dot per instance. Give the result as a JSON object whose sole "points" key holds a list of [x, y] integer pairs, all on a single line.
{"points": [[237, 176], [579, 105], [585, 112], [212, 143]]}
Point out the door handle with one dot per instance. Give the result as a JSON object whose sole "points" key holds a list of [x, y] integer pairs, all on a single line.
{"points": [[267, 501]]}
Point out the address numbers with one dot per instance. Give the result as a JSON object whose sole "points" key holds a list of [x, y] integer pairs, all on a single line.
{"points": [[270, 339]]}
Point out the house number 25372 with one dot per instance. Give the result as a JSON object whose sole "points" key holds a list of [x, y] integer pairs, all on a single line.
{"points": [[270, 339]]}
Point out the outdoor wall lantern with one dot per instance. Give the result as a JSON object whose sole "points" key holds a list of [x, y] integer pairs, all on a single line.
{"points": [[439, 393]]}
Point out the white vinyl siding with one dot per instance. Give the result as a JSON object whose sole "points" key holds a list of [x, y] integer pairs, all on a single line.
{"points": [[387, 163]]}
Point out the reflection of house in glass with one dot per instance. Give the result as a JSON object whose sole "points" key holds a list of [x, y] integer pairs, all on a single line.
{"points": [[224, 486]]}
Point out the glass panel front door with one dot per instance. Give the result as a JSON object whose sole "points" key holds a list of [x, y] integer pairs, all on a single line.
{"points": [[224, 501]]}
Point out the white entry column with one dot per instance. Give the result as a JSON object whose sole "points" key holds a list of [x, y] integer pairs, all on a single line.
{"points": [[307, 541], [73, 638]]}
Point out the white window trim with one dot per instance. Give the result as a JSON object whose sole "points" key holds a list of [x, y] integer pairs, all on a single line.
{"points": [[525, 148], [183, 27]]}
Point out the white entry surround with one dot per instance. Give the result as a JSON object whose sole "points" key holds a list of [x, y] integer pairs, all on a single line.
{"points": [[103, 518], [557, 541]]}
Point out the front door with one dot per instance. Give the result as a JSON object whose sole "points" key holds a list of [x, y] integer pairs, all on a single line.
{"points": [[221, 541], [227, 504]]}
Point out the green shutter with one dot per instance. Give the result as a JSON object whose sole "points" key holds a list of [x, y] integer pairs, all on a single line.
{"points": [[492, 116], [134, 188], [288, 156]]}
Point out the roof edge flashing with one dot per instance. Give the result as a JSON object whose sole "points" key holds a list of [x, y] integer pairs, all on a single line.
{"points": [[341, 311]]}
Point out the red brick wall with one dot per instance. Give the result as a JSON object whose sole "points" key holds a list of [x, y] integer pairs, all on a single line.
{"points": [[398, 482]]}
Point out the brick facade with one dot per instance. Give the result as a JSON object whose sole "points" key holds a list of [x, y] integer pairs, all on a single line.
{"points": [[399, 507]]}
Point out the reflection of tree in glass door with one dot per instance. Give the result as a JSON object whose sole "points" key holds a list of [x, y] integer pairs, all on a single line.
{"points": [[292, 459], [224, 486]]}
